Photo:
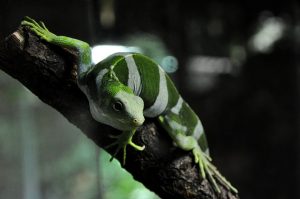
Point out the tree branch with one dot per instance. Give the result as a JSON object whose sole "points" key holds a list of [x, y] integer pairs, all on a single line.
{"points": [[48, 71]]}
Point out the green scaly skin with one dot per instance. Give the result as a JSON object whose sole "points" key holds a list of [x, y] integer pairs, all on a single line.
{"points": [[122, 140]]}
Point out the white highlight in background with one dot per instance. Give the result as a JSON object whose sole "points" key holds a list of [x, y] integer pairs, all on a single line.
{"points": [[100, 52], [270, 31]]}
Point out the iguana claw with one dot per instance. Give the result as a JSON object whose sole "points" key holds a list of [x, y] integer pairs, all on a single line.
{"points": [[39, 28], [122, 141], [207, 169]]}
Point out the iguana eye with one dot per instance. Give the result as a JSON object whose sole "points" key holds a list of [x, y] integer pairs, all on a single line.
{"points": [[117, 106]]}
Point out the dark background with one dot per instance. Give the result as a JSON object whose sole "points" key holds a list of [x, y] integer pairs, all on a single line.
{"points": [[246, 96]]}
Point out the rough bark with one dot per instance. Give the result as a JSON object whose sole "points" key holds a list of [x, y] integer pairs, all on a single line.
{"points": [[49, 72]]}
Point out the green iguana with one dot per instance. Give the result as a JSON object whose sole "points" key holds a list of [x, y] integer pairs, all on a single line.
{"points": [[126, 88]]}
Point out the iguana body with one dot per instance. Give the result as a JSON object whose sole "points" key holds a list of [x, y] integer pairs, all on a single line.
{"points": [[125, 88], [148, 80]]}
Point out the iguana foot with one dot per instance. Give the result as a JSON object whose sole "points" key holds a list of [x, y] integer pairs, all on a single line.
{"points": [[207, 169], [121, 142], [39, 28]]}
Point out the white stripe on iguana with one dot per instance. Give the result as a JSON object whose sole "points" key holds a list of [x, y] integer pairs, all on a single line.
{"points": [[100, 77], [176, 109], [134, 78], [175, 125], [161, 100], [198, 131], [84, 88]]}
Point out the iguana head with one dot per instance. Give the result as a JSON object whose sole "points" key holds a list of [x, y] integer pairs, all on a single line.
{"points": [[116, 105]]}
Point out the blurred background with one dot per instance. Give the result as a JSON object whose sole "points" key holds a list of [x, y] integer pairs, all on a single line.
{"points": [[236, 63]]}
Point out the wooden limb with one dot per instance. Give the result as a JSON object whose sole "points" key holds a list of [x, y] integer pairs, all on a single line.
{"points": [[48, 71]]}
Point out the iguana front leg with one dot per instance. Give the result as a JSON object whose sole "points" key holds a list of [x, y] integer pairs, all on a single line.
{"points": [[84, 60], [121, 142]]}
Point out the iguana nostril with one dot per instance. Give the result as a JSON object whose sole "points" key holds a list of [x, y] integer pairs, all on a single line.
{"points": [[135, 121]]}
